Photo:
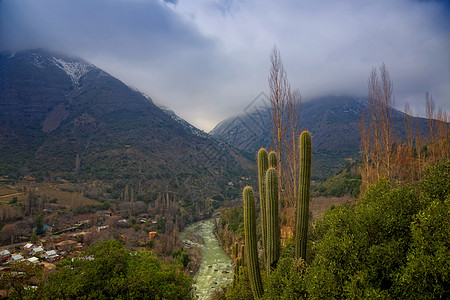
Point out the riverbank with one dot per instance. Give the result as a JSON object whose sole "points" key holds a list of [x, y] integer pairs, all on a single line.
{"points": [[216, 267]]}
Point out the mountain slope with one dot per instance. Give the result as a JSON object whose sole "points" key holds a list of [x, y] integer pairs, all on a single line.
{"points": [[332, 122], [55, 108]]}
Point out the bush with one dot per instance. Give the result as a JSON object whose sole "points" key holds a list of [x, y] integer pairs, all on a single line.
{"points": [[108, 271], [392, 243]]}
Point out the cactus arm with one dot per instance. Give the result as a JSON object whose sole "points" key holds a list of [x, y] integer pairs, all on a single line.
{"points": [[303, 196], [250, 243]]}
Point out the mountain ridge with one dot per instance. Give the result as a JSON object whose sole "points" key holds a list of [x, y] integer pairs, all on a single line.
{"points": [[332, 122], [55, 108]]}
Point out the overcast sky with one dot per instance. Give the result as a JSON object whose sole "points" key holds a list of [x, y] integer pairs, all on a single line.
{"points": [[208, 59]]}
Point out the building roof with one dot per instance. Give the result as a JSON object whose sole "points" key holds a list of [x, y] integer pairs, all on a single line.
{"points": [[33, 260], [28, 246], [17, 257], [38, 249], [5, 252], [51, 253]]}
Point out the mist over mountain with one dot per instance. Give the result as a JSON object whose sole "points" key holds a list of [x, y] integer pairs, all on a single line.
{"points": [[333, 124], [63, 117]]}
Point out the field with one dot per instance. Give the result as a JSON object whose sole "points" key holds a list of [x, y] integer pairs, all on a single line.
{"points": [[51, 191], [319, 205]]}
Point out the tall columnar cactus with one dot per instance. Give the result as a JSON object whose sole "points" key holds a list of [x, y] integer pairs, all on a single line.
{"points": [[236, 262], [250, 242], [303, 195], [273, 224], [235, 250], [273, 159], [263, 165]]}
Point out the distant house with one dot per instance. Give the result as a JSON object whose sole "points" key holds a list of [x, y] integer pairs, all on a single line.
{"points": [[151, 235], [5, 254], [37, 250], [48, 228], [16, 257], [99, 228], [28, 246], [33, 260], [51, 256]]}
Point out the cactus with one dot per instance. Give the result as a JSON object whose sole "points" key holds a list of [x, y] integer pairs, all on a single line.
{"points": [[235, 250], [273, 159], [303, 196], [263, 163], [250, 243], [273, 224]]}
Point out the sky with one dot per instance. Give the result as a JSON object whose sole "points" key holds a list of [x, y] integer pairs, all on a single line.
{"points": [[208, 59]]}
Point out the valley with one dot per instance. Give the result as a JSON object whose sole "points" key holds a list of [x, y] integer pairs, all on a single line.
{"points": [[86, 161]]}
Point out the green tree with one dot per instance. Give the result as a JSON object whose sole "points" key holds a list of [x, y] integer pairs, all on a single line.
{"points": [[181, 256], [393, 243], [20, 275], [427, 270], [108, 271], [39, 225]]}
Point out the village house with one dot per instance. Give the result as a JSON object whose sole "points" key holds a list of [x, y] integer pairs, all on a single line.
{"points": [[16, 258], [33, 260], [51, 256], [37, 250], [4, 255]]}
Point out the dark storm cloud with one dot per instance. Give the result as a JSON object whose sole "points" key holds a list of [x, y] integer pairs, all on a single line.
{"points": [[207, 59], [112, 26]]}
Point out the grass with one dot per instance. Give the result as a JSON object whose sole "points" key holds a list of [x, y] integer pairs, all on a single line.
{"points": [[51, 191], [319, 205]]}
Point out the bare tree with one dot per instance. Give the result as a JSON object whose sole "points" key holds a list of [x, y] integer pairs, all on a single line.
{"points": [[291, 157], [279, 93], [430, 110], [376, 132], [365, 168], [386, 102], [286, 106]]}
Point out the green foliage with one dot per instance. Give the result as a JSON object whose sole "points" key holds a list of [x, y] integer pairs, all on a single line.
{"points": [[426, 272], [304, 183], [392, 244], [287, 280], [39, 225], [13, 200], [108, 271], [234, 218], [250, 242], [181, 257], [241, 288], [343, 183], [20, 276], [34, 238], [435, 184]]}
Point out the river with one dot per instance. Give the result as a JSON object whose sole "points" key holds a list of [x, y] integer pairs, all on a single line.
{"points": [[216, 267]]}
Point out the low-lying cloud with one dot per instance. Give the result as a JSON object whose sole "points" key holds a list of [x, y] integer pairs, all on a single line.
{"points": [[207, 59]]}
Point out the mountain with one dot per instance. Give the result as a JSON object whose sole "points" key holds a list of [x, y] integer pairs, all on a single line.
{"points": [[62, 117], [333, 124]]}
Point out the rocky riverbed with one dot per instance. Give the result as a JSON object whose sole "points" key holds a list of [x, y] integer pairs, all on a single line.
{"points": [[215, 268]]}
